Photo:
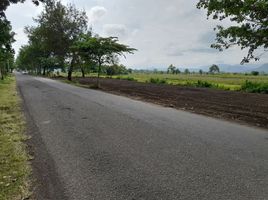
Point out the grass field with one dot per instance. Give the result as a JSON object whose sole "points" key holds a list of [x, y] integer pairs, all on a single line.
{"points": [[14, 168], [221, 81], [224, 81]]}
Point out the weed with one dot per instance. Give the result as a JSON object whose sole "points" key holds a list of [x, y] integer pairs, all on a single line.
{"points": [[249, 86]]}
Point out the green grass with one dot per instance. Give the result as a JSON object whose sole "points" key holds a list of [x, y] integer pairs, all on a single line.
{"points": [[223, 81], [219, 81], [14, 167], [255, 87]]}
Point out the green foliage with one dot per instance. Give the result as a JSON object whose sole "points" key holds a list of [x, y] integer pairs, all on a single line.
{"points": [[6, 51], [186, 71], [255, 73], [14, 168], [204, 84], [157, 81], [250, 26], [126, 78], [116, 70], [223, 81], [100, 50], [173, 70], [249, 86], [50, 42], [60, 26], [214, 69]]}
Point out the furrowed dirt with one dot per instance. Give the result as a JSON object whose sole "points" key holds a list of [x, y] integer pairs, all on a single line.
{"points": [[245, 108]]}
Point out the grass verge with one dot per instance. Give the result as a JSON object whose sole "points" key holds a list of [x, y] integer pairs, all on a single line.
{"points": [[14, 166]]}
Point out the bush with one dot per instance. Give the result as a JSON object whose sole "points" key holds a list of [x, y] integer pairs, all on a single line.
{"points": [[255, 73], [157, 81], [204, 84], [128, 78], [249, 86]]}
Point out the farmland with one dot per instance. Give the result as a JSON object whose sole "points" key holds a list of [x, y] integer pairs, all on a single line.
{"points": [[223, 81], [220, 81]]}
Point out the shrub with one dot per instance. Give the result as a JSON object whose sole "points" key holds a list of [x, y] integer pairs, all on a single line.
{"points": [[204, 84], [157, 81], [128, 78], [255, 73], [249, 86]]}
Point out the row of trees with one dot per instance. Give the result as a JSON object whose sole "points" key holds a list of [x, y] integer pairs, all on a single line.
{"points": [[63, 40], [173, 70], [61, 26], [7, 38]]}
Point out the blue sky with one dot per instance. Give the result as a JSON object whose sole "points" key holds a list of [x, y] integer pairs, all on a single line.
{"points": [[164, 32]]}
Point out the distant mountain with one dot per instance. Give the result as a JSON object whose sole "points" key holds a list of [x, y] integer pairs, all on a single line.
{"points": [[263, 68], [223, 68], [228, 68]]}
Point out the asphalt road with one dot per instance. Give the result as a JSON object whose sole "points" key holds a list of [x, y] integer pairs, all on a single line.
{"points": [[92, 145]]}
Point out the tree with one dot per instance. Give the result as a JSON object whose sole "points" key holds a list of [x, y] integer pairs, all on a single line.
{"points": [[171, 69], [250, 30], [187, 71], [177, 71], [201, 71], [7, 36], [100, 50], [116, 70], [255, 73], [6, 40], [60, 26], [214, 69]]}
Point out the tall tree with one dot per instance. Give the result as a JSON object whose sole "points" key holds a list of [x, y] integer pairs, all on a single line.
{"points": [[251, 24], [60, 26], [6, 40], [101, 50]]}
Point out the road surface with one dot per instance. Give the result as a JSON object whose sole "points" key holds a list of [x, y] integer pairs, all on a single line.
{"points": [[92, 145]]}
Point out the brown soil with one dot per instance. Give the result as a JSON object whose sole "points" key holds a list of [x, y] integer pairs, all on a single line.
{"points": [[240, 107]]}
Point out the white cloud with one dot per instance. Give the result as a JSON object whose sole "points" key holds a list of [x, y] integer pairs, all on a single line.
{"points": [[164, 32], [116, 30], [96, 13]]}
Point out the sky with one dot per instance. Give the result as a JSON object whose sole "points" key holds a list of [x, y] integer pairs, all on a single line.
{"points": [[164, 32]]}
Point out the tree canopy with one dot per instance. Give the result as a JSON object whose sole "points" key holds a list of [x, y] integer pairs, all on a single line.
{"points": [[101, 50], [214, 69], [250, 29], [6, 40], [62, 39]]}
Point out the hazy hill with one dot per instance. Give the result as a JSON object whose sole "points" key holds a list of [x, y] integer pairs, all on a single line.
{"points": [[262, 68]]}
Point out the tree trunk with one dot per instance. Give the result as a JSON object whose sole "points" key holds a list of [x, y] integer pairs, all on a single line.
{"points": [[98, 79], [83, 72], [1, 74], [44, 71], [70, 71]]}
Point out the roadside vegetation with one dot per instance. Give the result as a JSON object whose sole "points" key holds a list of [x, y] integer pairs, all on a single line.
{"points": [[14, 168], [224, 81], [247, 82]]}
